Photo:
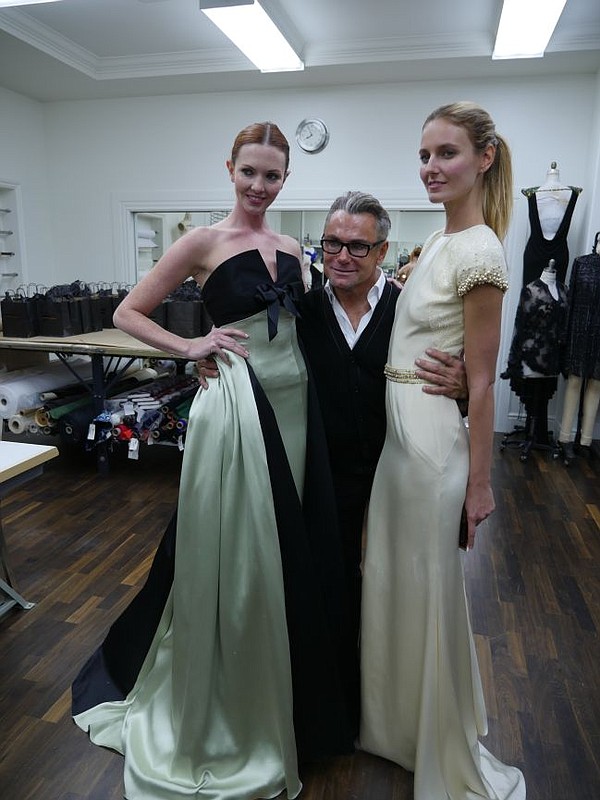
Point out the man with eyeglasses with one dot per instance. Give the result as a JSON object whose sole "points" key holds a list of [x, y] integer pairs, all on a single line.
{"points": [[345, 328]]}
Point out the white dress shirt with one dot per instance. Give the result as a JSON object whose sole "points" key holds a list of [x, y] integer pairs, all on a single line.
{"points": [[373, 298]]}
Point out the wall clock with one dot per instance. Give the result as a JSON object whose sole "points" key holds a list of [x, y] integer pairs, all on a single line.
{"points": [[312, 135]]}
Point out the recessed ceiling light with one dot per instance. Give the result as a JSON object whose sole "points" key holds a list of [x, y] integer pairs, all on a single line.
{"points": [[526, 27], [8, 3], [251, 29]]}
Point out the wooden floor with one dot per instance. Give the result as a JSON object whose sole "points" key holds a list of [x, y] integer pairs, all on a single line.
{"points": [[81, 545]]}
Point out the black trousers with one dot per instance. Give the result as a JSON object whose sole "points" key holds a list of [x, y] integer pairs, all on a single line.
{"points": [[352, 493]]}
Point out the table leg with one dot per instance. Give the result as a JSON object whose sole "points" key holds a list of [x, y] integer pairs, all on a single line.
{"points": [[99, 396], [14, 599], [7, 586]]}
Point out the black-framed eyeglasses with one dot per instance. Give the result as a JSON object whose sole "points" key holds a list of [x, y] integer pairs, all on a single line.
{"points": [[355, 249]]}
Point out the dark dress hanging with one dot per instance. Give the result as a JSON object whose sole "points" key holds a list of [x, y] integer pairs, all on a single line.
{"points": [[539, 250], [582, 351]]}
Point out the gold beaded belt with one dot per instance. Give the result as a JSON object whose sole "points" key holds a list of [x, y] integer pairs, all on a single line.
{"points": [[401, 375]]}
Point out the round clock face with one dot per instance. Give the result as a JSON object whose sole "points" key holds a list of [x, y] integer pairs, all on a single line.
{"points": [[312, 135]]}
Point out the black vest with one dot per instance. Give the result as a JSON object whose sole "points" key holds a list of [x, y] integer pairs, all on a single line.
{"points": [[350, 382]]}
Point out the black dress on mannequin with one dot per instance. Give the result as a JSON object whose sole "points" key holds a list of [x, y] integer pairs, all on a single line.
{"points": [[539, 250], [536, 355]]}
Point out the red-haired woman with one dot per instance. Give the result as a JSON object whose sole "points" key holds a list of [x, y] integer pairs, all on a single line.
{"points": [[240, 676]]}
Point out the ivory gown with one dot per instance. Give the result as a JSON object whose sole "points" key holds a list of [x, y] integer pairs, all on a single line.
{"points": [[422, 700], [212, 686]]}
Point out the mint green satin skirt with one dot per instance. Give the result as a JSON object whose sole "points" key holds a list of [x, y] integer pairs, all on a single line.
{"points": [[211, 714]]}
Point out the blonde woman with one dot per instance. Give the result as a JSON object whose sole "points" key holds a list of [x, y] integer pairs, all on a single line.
{"points": [[422, 700]]}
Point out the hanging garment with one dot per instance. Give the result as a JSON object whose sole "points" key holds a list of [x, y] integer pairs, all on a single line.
{"points": [[582, 351]]}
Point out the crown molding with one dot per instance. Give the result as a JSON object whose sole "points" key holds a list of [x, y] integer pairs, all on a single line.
{"points": [[362, 51], [570, 40], [163, 64], [398, 48], [322, 54], [47, 40], [151, 65]]}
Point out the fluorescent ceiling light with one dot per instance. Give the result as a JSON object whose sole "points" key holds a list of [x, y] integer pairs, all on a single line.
{"points": [[251, 29], [526, 27], [7, 3]]}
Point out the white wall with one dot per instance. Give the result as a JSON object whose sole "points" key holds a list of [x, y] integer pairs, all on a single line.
{"points": [[24, 163], [99, 154], [593, 225], [104, 149]]}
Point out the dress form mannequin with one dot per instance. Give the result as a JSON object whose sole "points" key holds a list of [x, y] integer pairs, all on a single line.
{"points": [[591, 399], [184, 225], [535, 357], [552, 198], [580, 397], [551, 207], [548, 276]]}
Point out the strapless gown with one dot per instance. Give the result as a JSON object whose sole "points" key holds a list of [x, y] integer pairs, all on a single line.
{"points": [[226, 667]]}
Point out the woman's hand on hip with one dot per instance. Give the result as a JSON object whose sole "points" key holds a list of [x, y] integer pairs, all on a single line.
{"points": [[206, 350]]}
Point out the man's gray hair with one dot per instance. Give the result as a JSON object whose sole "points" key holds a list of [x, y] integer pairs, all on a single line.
{"points": [[362, 203]]}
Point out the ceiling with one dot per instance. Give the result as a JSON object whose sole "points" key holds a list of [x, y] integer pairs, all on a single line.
{"points": [[90, 49]]}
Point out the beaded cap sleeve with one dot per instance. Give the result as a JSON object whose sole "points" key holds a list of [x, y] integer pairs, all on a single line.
{"points": [[430, 309], [478, 258]]}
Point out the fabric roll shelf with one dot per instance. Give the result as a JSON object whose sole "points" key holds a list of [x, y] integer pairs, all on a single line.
{"points": [[100, 345]]}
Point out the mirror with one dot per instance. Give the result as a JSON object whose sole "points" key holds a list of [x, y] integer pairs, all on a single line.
{"points": [[155, 231]]}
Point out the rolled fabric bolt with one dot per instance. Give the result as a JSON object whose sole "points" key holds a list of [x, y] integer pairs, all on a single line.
{"points": [[42, 418], [29, 412], [60, 411], [17, 424], [13, 398], [22, 391]]}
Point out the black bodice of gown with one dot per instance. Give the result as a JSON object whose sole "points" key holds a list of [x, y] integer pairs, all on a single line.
{"points": [[242, 286]]}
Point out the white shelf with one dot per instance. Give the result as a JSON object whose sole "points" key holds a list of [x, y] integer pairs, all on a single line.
{"points": [[10, 260], [149, 241]]}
